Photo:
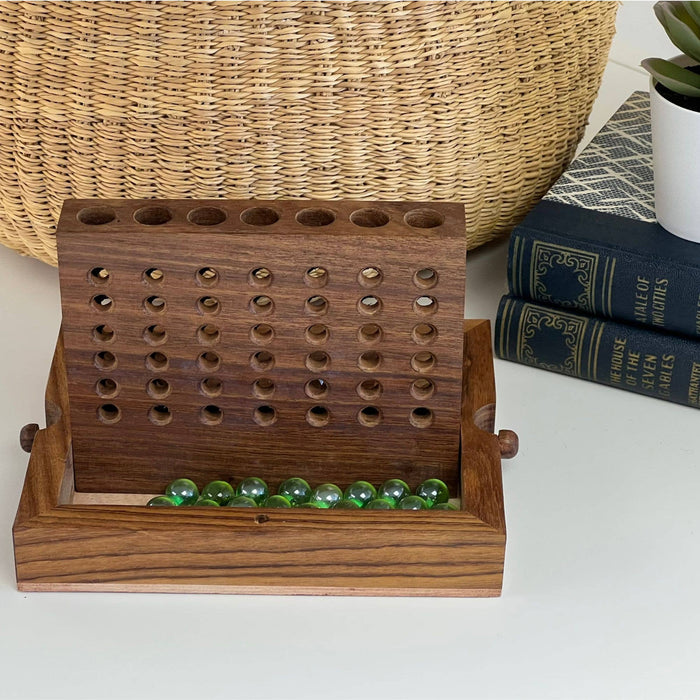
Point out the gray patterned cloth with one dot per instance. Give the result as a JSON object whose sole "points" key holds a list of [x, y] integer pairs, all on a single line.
{"points": [[614, 172]]}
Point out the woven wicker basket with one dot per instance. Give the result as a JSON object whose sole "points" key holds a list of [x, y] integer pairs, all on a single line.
{"points": [[479, 102]]}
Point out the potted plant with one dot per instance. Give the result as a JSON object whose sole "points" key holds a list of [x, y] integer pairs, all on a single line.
{"points": [[675, 121]]}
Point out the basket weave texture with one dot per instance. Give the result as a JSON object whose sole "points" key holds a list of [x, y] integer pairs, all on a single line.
{"points": [[478, 102]]}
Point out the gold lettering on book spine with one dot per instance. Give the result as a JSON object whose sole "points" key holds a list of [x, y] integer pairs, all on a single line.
{"points": [[694, 386]]}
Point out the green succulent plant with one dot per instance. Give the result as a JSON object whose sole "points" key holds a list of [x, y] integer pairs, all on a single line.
{"points": [[681, 20]]}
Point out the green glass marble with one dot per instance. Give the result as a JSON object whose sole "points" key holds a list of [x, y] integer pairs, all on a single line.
{"points": [[220, 491], [253, 488], [394, 490], [362, 492], [277, 502], [433, 491], [311, 504], [242, 502], [348, 504], [412, 503], [208, 502], [326, 495], [162, 501], [183, 491], [380, 504], [444, 506], [295, 490]]}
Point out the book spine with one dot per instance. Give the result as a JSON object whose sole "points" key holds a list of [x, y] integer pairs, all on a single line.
{"points": [[600, 279], [616, 354]]}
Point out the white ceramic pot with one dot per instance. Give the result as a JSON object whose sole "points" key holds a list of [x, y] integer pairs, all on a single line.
{"points": [[675, 133]]}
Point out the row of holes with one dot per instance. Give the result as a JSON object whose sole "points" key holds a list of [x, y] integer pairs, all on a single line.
{"points": [[263, 360], [315, 277], [264, 388], [368, 217], [263, 334], [264, 305], [317, 416]]}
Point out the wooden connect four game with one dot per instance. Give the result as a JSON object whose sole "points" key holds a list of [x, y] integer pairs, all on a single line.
{"points": [[229, 338], [225, 339]]}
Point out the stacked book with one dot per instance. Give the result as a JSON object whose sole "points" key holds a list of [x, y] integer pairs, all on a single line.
{"points": [[598, 290]]}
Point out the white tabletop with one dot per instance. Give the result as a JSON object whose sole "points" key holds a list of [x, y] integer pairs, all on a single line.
{"points": [[600, 594]]}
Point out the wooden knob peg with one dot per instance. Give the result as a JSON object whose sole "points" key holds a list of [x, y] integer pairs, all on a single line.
{"points": [[509, 443], [26, 436]]}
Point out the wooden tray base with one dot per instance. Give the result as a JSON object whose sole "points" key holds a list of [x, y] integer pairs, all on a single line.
{"points": [[68, 541]]}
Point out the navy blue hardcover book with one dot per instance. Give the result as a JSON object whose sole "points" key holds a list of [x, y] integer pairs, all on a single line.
{"points": [[608, 352], [593, 244]]}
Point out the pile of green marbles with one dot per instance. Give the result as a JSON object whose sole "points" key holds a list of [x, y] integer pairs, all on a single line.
{"points": [[296, 492]]}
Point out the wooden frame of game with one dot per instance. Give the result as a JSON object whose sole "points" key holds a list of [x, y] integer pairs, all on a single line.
{"points": [[351, 318]]}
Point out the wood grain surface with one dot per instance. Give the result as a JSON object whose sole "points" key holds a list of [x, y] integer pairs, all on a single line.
{"points": [[61, 544], [223, 339]]}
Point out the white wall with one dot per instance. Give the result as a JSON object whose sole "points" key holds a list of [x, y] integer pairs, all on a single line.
{"points": [[639, 35]]}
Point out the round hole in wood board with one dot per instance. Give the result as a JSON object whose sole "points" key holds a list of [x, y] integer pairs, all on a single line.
{"points": [[154, 304], [262, 361], [158, 388], [206, 216], [102, 303], [155, 334], [369, 389], [206, 277], [370, 277], [369, 305], [157, 361], [369, 416], [259, 216], [208, 305], [153, 275], [103, 333], [370, 333], [369, 361], [99, 275], [424, 333], [425, 305], [211, 386], [422, 388], [318, 416], [211, 415], [107, 388], [316, 388], [424, 218], [315, 216], [316, 305], [317, 334], [423, 361], [369, 217], [208, 334], [425, 278], [317, 361], [260, 277], [316, 277], [263, 388], [209, 361], [160, 415], [262, 334], [109, 414], [261, 305], [265, 415], [421, 417], [105, 360], [96, 216], [152, 215]]}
